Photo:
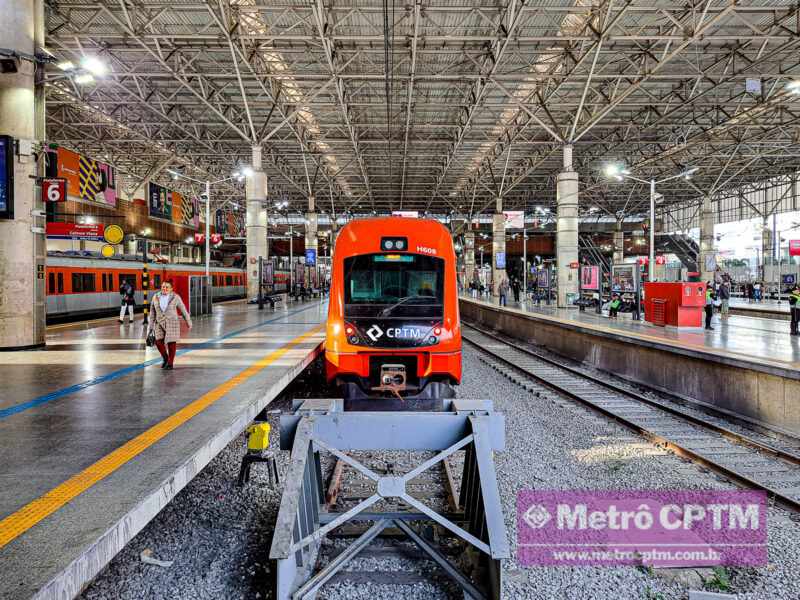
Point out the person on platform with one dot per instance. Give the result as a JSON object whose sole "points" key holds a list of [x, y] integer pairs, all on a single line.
{"points": [[794, 309], [709, 308], [165, 322], [614, 306], [502, 291], [750, 292], [724, 295], [128, 300], [516, 286], [757, 291]]}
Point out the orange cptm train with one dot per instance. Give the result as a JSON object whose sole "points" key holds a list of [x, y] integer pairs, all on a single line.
{"points": [[393, 327]]}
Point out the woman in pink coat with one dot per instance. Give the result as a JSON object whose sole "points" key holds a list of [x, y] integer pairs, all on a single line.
{"points": [[165, 323]]}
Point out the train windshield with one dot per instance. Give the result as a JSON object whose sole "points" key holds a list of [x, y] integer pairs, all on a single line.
{"points": [[394, 286]]}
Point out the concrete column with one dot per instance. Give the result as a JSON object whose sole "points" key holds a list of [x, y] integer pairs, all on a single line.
{"points": [[312, 242], [619, 244], [767, 245], [707, 255], [22, 246], [256, 223], [469, 257], [567, 229], [498, 247]]}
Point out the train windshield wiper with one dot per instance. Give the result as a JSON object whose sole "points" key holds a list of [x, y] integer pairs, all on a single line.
{"points": [[387, 311]]}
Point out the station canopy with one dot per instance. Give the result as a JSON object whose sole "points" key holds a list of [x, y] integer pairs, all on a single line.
{"points": [[434, 105]]}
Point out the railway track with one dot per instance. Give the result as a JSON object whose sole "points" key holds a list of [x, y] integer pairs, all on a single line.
{"points": [[392, 563], [749, 462]]}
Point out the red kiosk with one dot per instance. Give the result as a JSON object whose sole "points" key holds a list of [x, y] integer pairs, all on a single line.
{"points": [[678, 303]]}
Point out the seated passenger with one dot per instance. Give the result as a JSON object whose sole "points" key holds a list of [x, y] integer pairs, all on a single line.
{"points": [[614, 306]]}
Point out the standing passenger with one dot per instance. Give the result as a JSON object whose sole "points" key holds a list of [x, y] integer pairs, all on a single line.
{"points": [[502, 291], [709, 305], [165, 324], [128, 300], [515, 287], [724, 297], [794, 309]]}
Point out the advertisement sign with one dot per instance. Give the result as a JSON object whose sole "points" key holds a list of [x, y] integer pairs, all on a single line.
{"points": [[54, 189], [199, 238], [6, 177], [625, 278], [794, 247], [661, 259], [159, 202], [88, 180], [788, 279], [500, 260], [75, 231], [216, 239], [543, 278], [267, 274], [515, 219], [311, 257], [590, 278], [408, 214]]}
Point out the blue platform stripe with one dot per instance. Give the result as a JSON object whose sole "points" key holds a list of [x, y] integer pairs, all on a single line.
{"points": [[23, 406]]}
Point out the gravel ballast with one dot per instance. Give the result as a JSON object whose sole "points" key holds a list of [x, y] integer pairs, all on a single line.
{"points": [[218, 535]]}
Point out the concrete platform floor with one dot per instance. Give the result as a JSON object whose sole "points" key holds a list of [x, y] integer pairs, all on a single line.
{"points": [[743, 337], [96, 438]]}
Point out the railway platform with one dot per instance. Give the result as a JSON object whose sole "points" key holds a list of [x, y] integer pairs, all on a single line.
{"points": [[98, 438], [748, 367]]}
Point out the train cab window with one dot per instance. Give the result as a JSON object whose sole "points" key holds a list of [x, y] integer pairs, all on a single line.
{"points": [[394, 285], [51, 283], [82, 283], [60, 283]]}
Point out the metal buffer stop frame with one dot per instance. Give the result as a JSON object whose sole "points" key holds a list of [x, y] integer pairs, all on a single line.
{"points": [[323, 426]]}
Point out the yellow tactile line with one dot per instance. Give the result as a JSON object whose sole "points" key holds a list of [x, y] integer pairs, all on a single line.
{"points": [[26, 517]]}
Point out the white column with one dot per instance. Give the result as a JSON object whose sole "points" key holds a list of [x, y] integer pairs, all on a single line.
{"points": [[706, 258], [619, 244], [498, 246], [22, 251], [567, 229], [256, 195]]}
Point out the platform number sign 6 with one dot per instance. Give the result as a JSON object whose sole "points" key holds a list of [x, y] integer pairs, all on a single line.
{"points": [[54, 190]]}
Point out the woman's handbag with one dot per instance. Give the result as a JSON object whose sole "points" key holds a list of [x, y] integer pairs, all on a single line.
{"points": [[150, 341]]}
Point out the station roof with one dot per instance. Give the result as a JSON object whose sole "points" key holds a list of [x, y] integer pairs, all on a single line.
{"points": [[434, 105]]}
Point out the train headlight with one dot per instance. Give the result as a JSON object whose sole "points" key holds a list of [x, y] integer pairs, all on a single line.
{"points": [[394, 243], [432, 339], [437, 331]]}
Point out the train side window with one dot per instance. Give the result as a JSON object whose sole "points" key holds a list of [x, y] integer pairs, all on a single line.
{"points": [[129, 278], [60, 283], [51, 283], [228, 280], [156, 281], [111, 287], [88, 282], [77, 283], [104, 282]]}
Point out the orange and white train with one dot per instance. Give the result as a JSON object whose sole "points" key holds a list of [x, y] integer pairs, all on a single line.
{"points": [[82, 286], [393, 326]]}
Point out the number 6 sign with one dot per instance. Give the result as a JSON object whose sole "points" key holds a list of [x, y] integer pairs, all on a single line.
{"points": [[54, 189]]}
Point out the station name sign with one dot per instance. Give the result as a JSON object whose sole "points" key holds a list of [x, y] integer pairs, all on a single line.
{"points": [[76, 231]]}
